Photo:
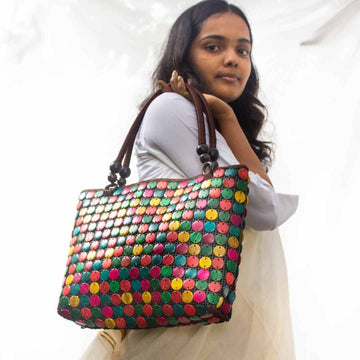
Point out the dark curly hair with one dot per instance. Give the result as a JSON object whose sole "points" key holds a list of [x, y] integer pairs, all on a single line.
{"points": [[249, 110]]}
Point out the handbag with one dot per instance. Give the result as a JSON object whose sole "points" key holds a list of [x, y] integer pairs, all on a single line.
{"points": [[160, 252]]}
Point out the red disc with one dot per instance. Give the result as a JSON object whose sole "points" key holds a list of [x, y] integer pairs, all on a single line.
{"points": [[188, 284], [115, 299], [229, 182], [189, 310], [145, 260], [106, 264], [141, 322], [168, 259], [215, 193], [217, 263], [120, 323], [147, 310], [125, 285], [171, 236], [225, 204], [192, 261], [129, 310], [150, 238], [72, 269], [167, 310], [104, 287], [229, 277], [176, 297], [95, 276], [118, 251], [165, 283], [86, 313]]}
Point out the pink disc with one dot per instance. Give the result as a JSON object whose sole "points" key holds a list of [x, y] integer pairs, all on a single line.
{"points": [[203, 274], [197, 225], [235, 219], [232, 254], [199, 296]]}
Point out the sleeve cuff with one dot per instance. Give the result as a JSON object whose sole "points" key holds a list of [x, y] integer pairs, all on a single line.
{"points": [[268, 209]]}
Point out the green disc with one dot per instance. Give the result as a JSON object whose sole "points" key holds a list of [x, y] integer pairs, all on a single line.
{"points": [[213, 298], [166, 271], [195, 237]]}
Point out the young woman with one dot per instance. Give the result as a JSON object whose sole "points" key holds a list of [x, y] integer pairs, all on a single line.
{"points": [[210, 47]]}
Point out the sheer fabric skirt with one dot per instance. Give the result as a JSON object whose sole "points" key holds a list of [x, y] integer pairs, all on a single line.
{"points": [[259, 329]]}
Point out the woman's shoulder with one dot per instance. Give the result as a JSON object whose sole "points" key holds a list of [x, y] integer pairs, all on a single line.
{"points": [[170, 106]]}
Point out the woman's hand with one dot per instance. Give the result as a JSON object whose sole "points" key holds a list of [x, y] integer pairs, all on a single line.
{"points": [[219, 108], [228, 124]]}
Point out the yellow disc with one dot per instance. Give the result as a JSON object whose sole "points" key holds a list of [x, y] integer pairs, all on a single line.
{"points": [[183, 236], [121, 213], [242, 236], [240, 197], [205, 262], [187, 296], [116, 206], [124, 230], [194, 249], [126, 298], [87, 219], [134, 202], [167, 217], [110, 323], [211, 214], [74, 301], [155, 202], [100, 209], [109, 253], [69, 279], [146, 296], [248, 179], [220, 302], [104, 216], [178, 192], [94, 288], [82, 212], [174, 225], [206, 184], [247, 201], [140, 210], [137, 250], [176, 284], [91, 255], [219, 251], [71, 250], [161, 210], [233, 242]]}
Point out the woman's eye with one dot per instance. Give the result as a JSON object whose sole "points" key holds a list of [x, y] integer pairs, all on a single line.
{"points": [[212, 47], [244, 52]]}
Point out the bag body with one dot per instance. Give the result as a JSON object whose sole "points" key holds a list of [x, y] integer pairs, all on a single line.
{"points": [[161, 252]]}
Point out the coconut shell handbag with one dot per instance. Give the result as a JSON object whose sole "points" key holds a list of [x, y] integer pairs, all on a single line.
{"points": [[161, 252]]}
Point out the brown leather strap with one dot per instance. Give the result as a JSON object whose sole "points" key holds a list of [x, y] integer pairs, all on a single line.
{"points": [[201, 106]]}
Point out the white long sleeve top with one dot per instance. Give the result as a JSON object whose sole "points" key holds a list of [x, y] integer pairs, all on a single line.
{"points": [[165, 146]]}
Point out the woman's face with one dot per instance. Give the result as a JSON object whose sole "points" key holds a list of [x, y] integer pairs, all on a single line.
{"points": [[220, 55]]}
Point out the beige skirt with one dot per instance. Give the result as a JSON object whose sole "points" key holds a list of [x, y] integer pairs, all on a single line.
{"points": [[259, 329]]}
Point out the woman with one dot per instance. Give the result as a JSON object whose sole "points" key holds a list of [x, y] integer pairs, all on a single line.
{"points": [[209, 47]]}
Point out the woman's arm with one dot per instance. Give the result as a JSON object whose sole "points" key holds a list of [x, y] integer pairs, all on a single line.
{"points": [[229, 127], [239, 145]]}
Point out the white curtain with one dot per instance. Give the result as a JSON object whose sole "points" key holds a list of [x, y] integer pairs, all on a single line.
{"points": [[71, 76]]}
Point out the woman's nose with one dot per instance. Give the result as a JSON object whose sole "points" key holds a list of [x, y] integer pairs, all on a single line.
{"points": [[231, 58]]}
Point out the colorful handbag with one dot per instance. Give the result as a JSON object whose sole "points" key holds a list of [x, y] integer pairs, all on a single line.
{"points": [[161, 252]]}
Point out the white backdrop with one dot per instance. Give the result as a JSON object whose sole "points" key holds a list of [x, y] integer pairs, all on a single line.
{"points": [[71, 76]]}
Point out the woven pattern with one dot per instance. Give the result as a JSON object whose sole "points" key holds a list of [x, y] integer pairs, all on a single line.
{"points": [[157, 253]]}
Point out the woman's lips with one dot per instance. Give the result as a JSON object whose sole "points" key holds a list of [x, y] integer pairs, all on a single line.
{"points": [[229, 78]]}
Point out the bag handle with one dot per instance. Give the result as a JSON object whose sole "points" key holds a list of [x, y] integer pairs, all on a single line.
{"points": [[208, 153]]}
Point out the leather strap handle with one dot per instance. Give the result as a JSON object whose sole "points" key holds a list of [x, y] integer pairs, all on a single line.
{"points": [[208, 154]]}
